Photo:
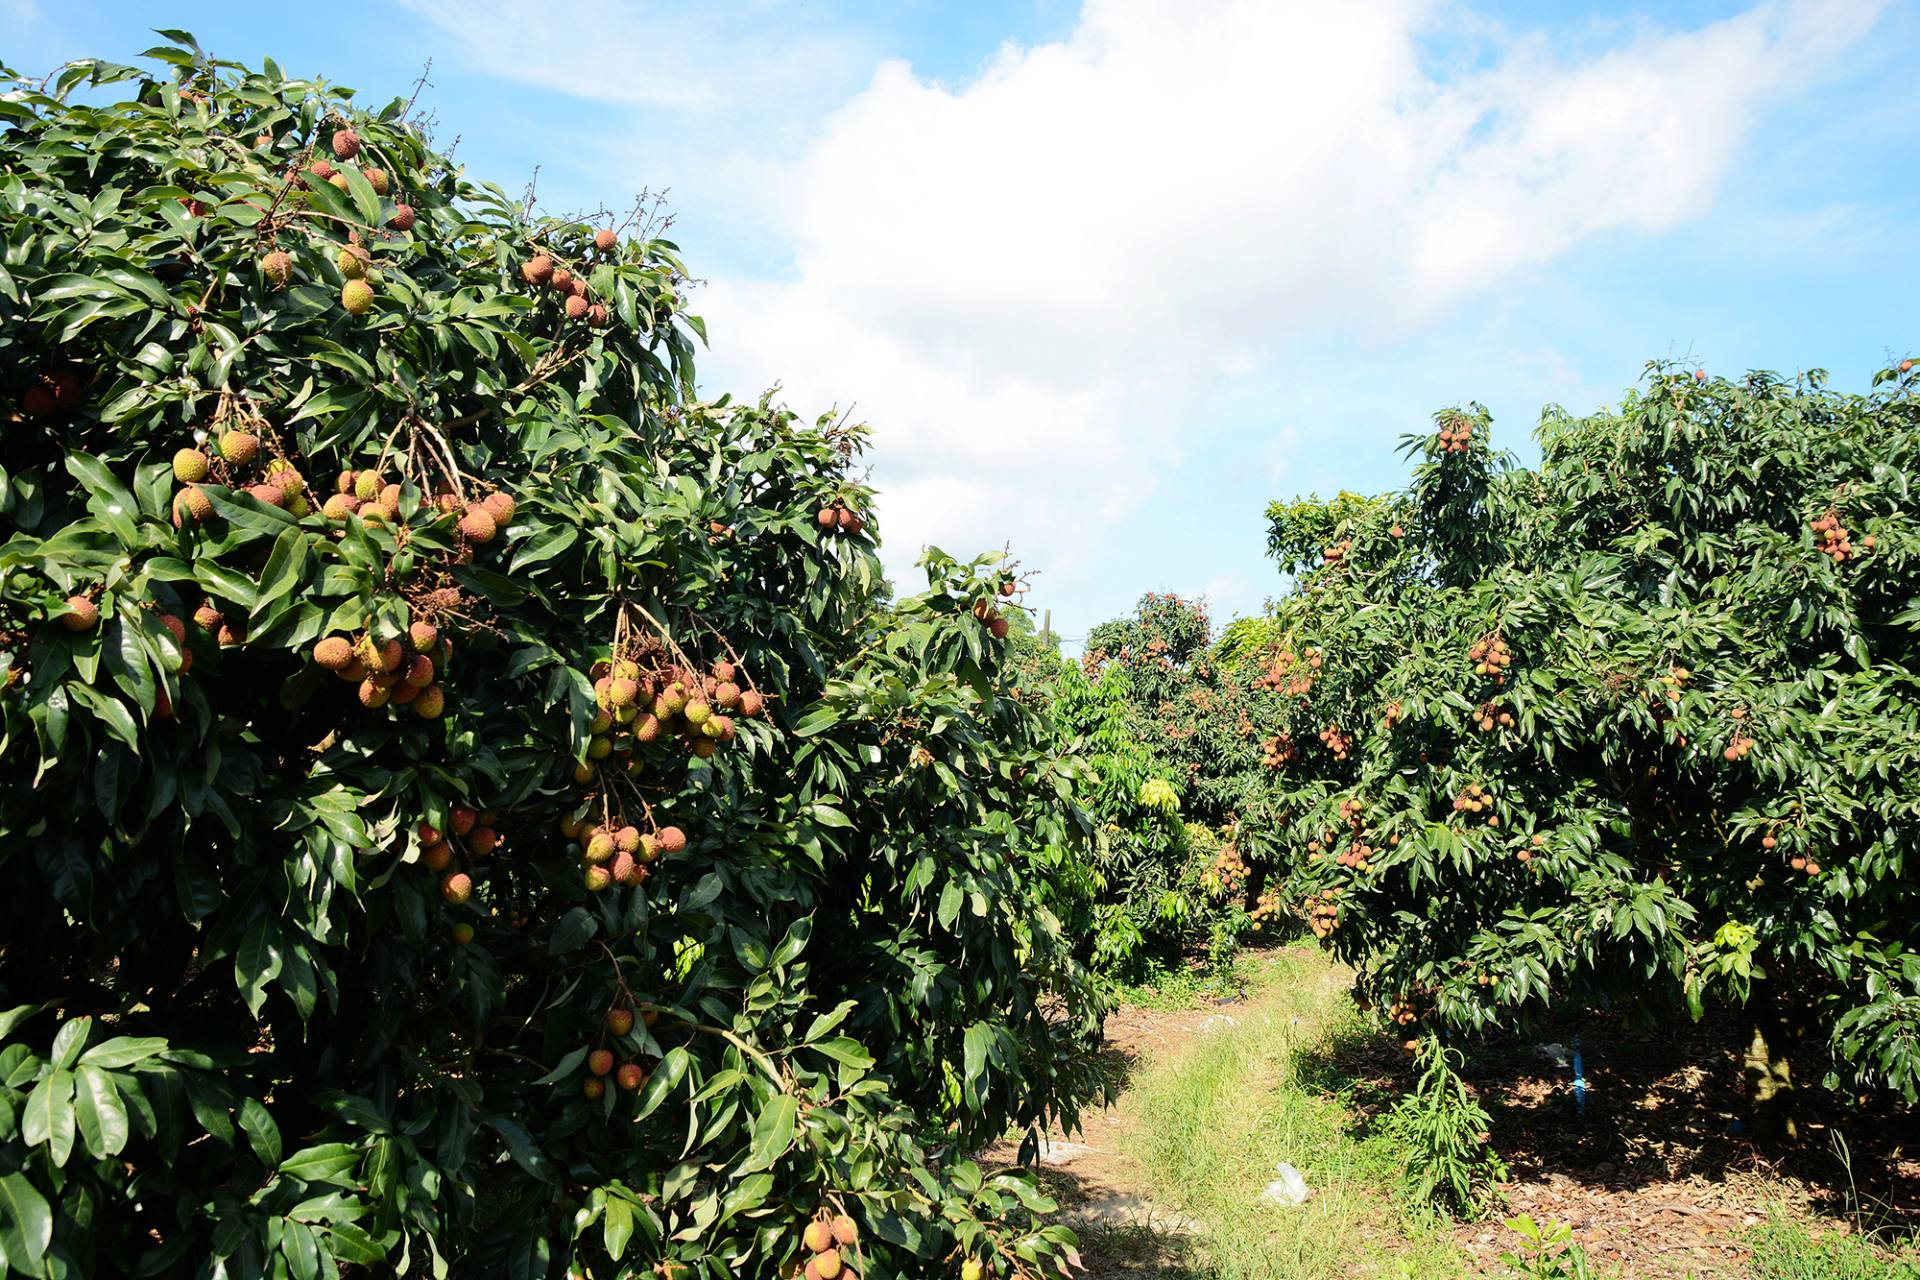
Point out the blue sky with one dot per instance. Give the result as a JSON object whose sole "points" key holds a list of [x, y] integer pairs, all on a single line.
{"points": [[1108, 277]]}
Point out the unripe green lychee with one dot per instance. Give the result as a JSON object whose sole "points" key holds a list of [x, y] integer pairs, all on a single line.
{"points": [[190, 466], [333, 653], [457, 887], [463, 933], [367, 485], [431, 702], [599, 847], [477, 525], [340, 506], [352, 262], [81, 614], [621, 692], [239, 447], [593, 1087], [673, 698], [597, 878], [599, 747], [972, 1270], [630, 1077], [356, 296], [583, 773], [697, 712], [378, 180], [619, 1021], [702, 746]]}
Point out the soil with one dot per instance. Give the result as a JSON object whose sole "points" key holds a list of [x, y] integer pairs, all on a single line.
{"points": [[1657, 1178]]}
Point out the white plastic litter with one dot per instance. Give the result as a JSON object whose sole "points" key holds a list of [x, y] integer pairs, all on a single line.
{"points": [[1214, 1022], [1289, 1188], [1058, 1153]]}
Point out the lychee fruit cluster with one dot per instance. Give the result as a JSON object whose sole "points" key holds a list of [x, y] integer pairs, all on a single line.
{"points": [[828, 1240], [1533, 846], [1832, 538], [1337, 742], [990, 617], [627, 1075], [1807, 865], [1456, 435], [838, 517], [1229, 869], [1290, 673], [1738, 748], [617, 852], [230, 456], [1266, 907], [400, 670], [1488, 714], [1337, 552], [1322, 910], [542, 271], [469, 837], [1475, 798], [641, 698], [1278, 751], [1491, 657]]}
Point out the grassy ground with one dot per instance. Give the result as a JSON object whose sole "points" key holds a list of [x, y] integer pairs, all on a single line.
{"points": [[1217, 1097], [1216, 1115]]}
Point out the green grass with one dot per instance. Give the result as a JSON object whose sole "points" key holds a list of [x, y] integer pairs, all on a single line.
{"points": [[1219, 1113], [1787, 1250], [1168, 989]]}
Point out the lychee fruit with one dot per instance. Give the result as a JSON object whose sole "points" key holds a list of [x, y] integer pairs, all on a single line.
{"points": [[818, 1237], [751, 702], [377, 179], [561, 280], [346, 144], [999, 628], [373, 694], [646, 729], [277, 267], [437, 856], [624, 869], [477, 525], [423, 636], [600, 1061], [419, 672], [828, 517], [190, 466], [37, 402], [537, 269], [239, 447], [353, 262], [597, 878], [619, 1021], [431, 702], [356, 296], [463, 933], [604, 239], [340, 182], [81, 615], [322, 170], [593, 1088], [500, 506], [175, 628], [483, 841], [846, 519], [845, 1232], [598, 316], [670, 840], [576, 308], [461, 819], [402, 219], [207, 618], [271, 494], [457, 887], [599, 846], [340, 506], [367, 485], [630, 1077], [333, 653], [827, 1265]]}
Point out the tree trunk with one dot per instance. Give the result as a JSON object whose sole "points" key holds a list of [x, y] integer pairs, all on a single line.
{"points": [[1770, 1078]]}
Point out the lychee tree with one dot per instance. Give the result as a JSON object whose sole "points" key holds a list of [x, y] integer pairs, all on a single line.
{"points": [[1634, 727], [465, 803]]}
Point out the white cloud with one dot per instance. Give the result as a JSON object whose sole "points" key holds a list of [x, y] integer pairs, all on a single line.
{"points": [[1027, 281]]}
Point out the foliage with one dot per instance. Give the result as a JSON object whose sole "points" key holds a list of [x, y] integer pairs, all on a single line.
{"points": [[305, 974], [1444, 1130], [1784, 1249], [1547, 1251], [1636, 726]]}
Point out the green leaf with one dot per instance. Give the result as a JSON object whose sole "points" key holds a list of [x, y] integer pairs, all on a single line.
{"points": [[102, 1117], [772, 1133], [49, 1116], [257, 962], [26, 1225]]}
